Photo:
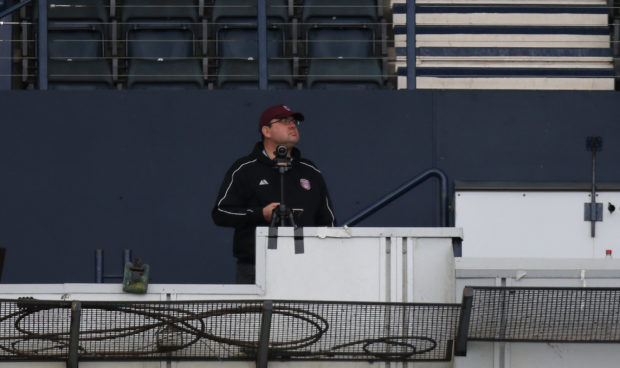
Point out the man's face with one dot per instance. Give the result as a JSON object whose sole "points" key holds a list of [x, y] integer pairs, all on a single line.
{"points": [[282, 131]]}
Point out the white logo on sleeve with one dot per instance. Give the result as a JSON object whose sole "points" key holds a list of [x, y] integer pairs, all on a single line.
{"points": [[263, 182]]}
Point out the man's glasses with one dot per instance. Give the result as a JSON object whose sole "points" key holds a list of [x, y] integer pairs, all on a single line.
{"points": [[285, 122]]}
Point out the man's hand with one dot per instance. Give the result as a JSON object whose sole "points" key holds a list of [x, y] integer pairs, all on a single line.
{"points": [[268, 211]]}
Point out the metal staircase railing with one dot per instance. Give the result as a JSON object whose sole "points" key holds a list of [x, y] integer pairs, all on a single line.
{"points": [[404, 188]]}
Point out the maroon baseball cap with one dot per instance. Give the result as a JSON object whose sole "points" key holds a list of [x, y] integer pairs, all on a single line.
{"points": [[278, 112]]}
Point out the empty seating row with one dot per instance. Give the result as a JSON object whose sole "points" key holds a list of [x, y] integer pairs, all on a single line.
{"points": [[508, 44], [193, 44]]}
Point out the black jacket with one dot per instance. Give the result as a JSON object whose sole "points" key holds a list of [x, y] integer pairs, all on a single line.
{"points": [[253, 182]]}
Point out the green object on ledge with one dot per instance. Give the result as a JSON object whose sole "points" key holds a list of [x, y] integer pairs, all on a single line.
{"points": [[136, 277]]}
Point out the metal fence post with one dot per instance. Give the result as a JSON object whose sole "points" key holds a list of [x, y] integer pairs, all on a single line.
{"points": [[262, 355], [460, 348], [74, 334]]}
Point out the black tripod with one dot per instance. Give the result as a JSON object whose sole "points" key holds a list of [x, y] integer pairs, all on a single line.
{"points": [[282, 214]]}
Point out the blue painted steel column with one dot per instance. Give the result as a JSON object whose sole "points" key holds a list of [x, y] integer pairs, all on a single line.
{"points": [[42, 45], [411, 44], [6, 33], [262, 44]]}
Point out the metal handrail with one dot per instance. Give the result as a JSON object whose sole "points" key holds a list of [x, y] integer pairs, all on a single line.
{"points": [[396, 193]]}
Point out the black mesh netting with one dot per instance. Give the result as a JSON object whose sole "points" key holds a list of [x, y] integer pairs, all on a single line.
{"points": [[545, 314], [229, 330]]}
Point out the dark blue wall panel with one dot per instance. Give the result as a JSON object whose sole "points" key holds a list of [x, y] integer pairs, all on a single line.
{"points": [[140, 170], [527, 136]]}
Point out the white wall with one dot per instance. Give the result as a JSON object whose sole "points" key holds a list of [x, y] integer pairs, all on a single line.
{"points": [[535, 224]]}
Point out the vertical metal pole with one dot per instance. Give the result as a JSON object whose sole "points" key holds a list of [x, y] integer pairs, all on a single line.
{"points": [[443, 198], [2, 254], [616, 38], [593, 201], [42, 45], [262, 356], [6, 52], [387, 330], [262, 44], [74, 334], [501, 333], [126, 258], [98, 266], [594, 145], [282, 206], [460, 348], [411, 45]]}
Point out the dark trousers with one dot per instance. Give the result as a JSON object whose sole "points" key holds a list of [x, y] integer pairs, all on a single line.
{"points": [[245, 272]]}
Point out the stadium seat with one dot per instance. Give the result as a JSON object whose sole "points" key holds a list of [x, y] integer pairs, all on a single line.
{"points": [[161, 38], [243, 74], [241, 14], [168, 74], [339, 43], [338, 11], [159, 11], [76, 61], [236, 36], [243, 43], [340, 38], [340, 16], [345, 74], [238, 65], [245, 11], [77, 50], [78, 11]]}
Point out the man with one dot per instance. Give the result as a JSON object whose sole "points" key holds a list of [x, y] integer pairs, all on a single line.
{"points": [[251, 188]]}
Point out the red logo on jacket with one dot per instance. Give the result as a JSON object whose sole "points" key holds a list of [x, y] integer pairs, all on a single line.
{"points": [[305, 183]]}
